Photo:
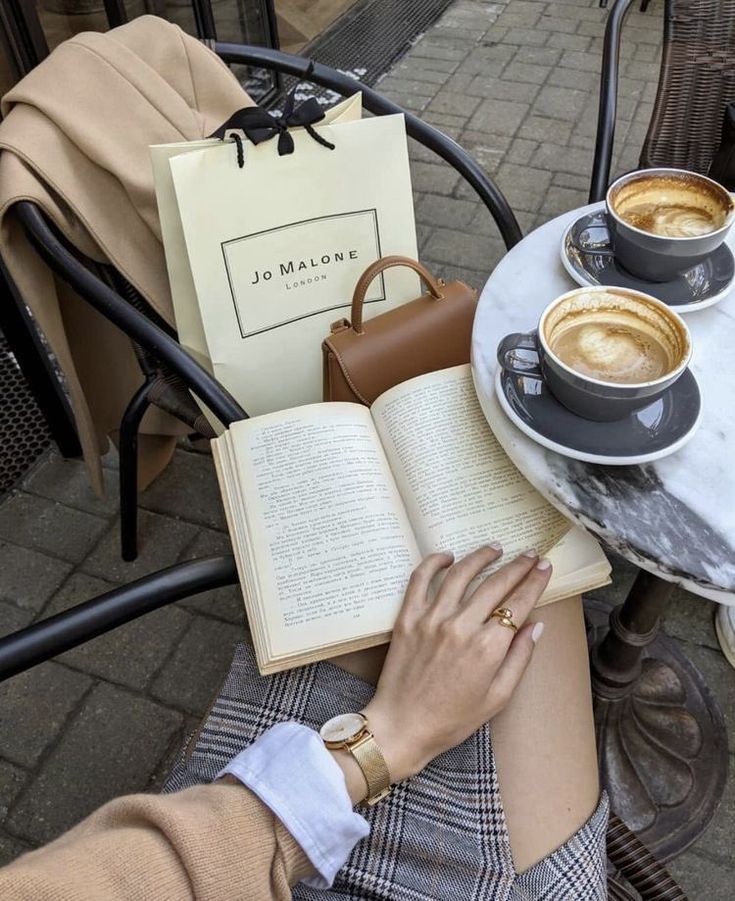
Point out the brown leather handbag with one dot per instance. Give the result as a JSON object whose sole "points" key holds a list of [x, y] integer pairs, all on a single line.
{"points": [[364, 359]]}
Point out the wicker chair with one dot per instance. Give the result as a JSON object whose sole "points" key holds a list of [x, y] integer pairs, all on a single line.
{"points": [[696, 81]]}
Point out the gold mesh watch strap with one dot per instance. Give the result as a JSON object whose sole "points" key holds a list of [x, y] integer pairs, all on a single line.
{"points": [[370, 759]]}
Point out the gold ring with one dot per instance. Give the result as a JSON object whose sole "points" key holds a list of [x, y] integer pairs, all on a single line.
{"points": [[505, 617]]}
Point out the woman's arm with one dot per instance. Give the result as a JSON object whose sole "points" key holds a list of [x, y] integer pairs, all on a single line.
{"points": [[215, 842], [451, 666]]}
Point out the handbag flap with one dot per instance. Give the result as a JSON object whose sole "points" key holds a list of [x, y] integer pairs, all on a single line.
{"points": [[420, 336]]}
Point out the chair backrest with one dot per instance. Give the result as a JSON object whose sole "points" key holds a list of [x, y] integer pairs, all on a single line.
{"points": [[696, 82]]}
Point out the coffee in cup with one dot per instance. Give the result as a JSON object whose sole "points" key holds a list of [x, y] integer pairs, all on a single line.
{"points": [[603, 352], [664, 221]]}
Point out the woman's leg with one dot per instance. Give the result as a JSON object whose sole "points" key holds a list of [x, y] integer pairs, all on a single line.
{"points": [[544, 740]]}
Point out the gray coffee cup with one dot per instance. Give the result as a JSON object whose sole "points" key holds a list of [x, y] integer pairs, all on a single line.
{"points": [[664, 221], [598, 308]]}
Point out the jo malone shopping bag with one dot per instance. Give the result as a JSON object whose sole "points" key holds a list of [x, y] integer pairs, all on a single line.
{"points": [[274, 248]]}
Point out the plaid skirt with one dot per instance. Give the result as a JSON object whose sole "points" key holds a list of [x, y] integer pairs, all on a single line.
{"points": [[440, 835]]}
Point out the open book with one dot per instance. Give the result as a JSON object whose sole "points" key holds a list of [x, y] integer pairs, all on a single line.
{"points": [[330, 506]]}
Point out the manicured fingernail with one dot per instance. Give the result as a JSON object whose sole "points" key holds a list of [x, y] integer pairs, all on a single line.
{"points": [[531, 552], [537, 632], [544, 563], [496, 545]]}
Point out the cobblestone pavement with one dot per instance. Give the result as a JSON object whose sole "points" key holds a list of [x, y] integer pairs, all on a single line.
{"points": [[515, 83]]}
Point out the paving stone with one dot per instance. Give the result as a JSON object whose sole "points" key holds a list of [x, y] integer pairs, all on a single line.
{"points": [[476, 85], [12, 780], [449, 212], [191, 679], [34, 707], [430, 178], [521, 151], [691, 618], [525, 37], [498, 116], [639, 33], [552, 157], [10, 848], [223, 603], [414, 103], [523, 92], [700, 877], [460, 248], [131, 654], [406, 86], [434, 71], [67, 481], [563, 41], [516, 18], [556, 25], [560, 103], [572, 180], [451, 125], [28, 578], [543, 129], [538, 56], [13, 618], [646, 71], [483, 60], [48, 526], [187, 489], [565, 78], [591, 29], [161, 540], [109, 750], [587, 62], [560, 200], [455, 104], [526, 72]]}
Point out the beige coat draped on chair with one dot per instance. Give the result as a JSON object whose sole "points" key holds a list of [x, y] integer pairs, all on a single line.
{"points": [[75, 139]]}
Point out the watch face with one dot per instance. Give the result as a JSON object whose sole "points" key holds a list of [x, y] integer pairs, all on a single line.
{"points": [[343, 727]]}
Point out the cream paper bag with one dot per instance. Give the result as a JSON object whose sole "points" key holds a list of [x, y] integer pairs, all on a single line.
{"points": [[183, 294], [275, 249]]}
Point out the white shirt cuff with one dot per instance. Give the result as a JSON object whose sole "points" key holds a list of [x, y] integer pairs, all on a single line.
{"points": [[294, 775]]}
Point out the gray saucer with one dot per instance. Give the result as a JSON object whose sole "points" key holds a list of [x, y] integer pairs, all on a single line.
{"points": [[587, 256], [650, 434]]}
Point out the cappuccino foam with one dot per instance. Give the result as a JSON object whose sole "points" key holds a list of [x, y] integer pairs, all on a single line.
{"points": [[671, 206], [611, 351], [614, 336]]}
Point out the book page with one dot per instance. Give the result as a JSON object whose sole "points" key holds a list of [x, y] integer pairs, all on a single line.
{"points": [[329, 537], [459, 486]]}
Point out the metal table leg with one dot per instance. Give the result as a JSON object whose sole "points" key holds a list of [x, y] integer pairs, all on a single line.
{"points": [[661, 736]]}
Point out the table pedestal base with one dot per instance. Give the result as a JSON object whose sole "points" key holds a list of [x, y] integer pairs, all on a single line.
{"points": [[661, 736]]}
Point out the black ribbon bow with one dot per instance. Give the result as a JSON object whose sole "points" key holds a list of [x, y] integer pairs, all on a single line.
{"points": [[260, 125]]}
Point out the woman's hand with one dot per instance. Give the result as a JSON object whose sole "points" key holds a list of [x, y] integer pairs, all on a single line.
{"points": [[451, 667]]}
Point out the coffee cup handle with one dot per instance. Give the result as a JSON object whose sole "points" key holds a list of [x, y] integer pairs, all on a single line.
{"points": [[597, 250], [508, 347]]}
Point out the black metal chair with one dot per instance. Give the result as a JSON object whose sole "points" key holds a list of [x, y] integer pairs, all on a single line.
{"points": [[696, 81], [161, 386]]}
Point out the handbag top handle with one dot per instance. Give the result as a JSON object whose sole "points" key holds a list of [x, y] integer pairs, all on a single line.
{"points": [[374, 269]]}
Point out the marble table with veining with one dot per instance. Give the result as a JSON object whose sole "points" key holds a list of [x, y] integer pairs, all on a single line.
{"points": [[663, 750]]}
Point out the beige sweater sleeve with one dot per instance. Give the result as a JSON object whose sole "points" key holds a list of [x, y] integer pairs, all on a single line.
{"points": [[209, 843]]}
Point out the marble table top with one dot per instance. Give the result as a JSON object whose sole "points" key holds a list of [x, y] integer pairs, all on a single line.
{"points": [[675, 517]]}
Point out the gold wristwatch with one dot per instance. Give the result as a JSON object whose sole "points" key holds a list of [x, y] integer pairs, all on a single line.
{"points": [[350, 732]]}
